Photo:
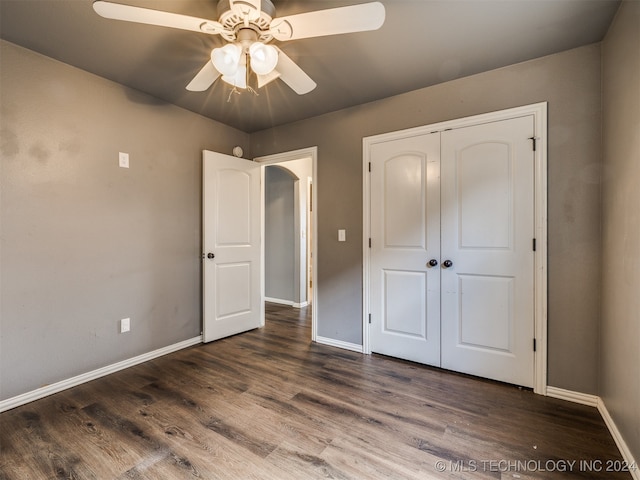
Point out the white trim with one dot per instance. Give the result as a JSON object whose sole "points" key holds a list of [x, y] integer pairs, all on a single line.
{"points": [[617, 437], [87, 377], [540, 281], [366, 235], [289, 303], [279, 301], [310, 152], [574, 397], [339, 344], [539, 112], [597, 402]]}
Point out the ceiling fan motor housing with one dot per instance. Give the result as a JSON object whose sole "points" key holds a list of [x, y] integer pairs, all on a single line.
{"points": [[234, 23], [246, 37]]}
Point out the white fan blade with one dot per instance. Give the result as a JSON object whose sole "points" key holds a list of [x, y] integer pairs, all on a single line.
{"points": [[334, 21], [269, 77], [128, 13], [293, 75], [204, 78]]}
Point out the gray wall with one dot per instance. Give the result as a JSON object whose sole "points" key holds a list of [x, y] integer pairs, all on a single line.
{"points": [[280, 234], [83, 242], [620, 342], [570, 82]]}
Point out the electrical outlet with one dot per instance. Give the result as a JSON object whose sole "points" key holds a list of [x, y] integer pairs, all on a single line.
{"points": [[125, 325], [123, 160]]}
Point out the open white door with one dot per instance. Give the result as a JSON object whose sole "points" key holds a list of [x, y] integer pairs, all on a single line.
{"points": [[232, 295]]}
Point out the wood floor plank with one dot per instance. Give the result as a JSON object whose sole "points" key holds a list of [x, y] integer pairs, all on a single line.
{"points": [[271, 405], [295, 460]]}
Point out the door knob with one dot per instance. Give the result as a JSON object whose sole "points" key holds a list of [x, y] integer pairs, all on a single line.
{"points": [[447, 264], [210, 256], [432, 263]]}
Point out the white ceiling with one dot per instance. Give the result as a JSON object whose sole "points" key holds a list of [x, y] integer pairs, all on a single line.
{"points": [[422, 43]]}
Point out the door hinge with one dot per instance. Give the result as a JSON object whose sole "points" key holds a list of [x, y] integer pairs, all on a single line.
{"points": [[369, 318], [369, 166], [534, 344], [369, 242], [534, 139], [534, 244]]}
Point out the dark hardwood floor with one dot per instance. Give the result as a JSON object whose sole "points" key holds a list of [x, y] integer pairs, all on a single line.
{"points": [[269, 404]]}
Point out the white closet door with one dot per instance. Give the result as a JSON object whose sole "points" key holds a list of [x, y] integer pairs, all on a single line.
{"points": [[487, 235], [405, 236]]}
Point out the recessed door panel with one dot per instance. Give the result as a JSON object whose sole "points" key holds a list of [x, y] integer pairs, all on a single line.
{"points": [[404, 202], [485, 195], [234, 291], [234, 224], [486, 324], [405, 307]]}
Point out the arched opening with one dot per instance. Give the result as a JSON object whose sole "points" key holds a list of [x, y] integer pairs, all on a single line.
{"points": [[286, 227]]}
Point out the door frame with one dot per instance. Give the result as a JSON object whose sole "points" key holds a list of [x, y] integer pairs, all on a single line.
{"points": [[310, 152], [539, 112]]}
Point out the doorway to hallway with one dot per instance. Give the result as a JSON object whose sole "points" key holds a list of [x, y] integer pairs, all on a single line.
{"points": [[289, 223]]}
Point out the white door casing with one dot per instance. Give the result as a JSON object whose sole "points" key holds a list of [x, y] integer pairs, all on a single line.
{"points": [[231, 267], [537, 114], [487, 316], [405, 233]]}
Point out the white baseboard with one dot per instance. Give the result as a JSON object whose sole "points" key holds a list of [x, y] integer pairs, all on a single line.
{"points": [[617, 437], [279, 301], [339, 343], [596, 401], [42, 392], [575, 397], [288, 303]]}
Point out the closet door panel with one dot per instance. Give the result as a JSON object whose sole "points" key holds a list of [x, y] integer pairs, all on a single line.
{"points": [[405, 235], [487, 234]]}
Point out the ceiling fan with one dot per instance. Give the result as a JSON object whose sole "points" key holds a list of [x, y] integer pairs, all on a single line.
{"points": [[248, 26]]}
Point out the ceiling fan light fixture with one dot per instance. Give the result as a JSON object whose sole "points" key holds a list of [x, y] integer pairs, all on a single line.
{"points": [[227, 59], [264, 58], [238, 79]]}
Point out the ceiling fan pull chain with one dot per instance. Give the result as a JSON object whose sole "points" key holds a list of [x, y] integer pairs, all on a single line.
{"points": [[233, 90], [249, 87], [248, 62]]}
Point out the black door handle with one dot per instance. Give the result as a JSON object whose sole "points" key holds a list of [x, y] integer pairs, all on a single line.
{"points": [[432, 263], [210, 256], [447, 264]]}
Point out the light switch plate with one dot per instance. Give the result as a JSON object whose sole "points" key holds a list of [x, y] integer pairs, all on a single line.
{"points": [[123, 160], [125, 325], [342, 235]]}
